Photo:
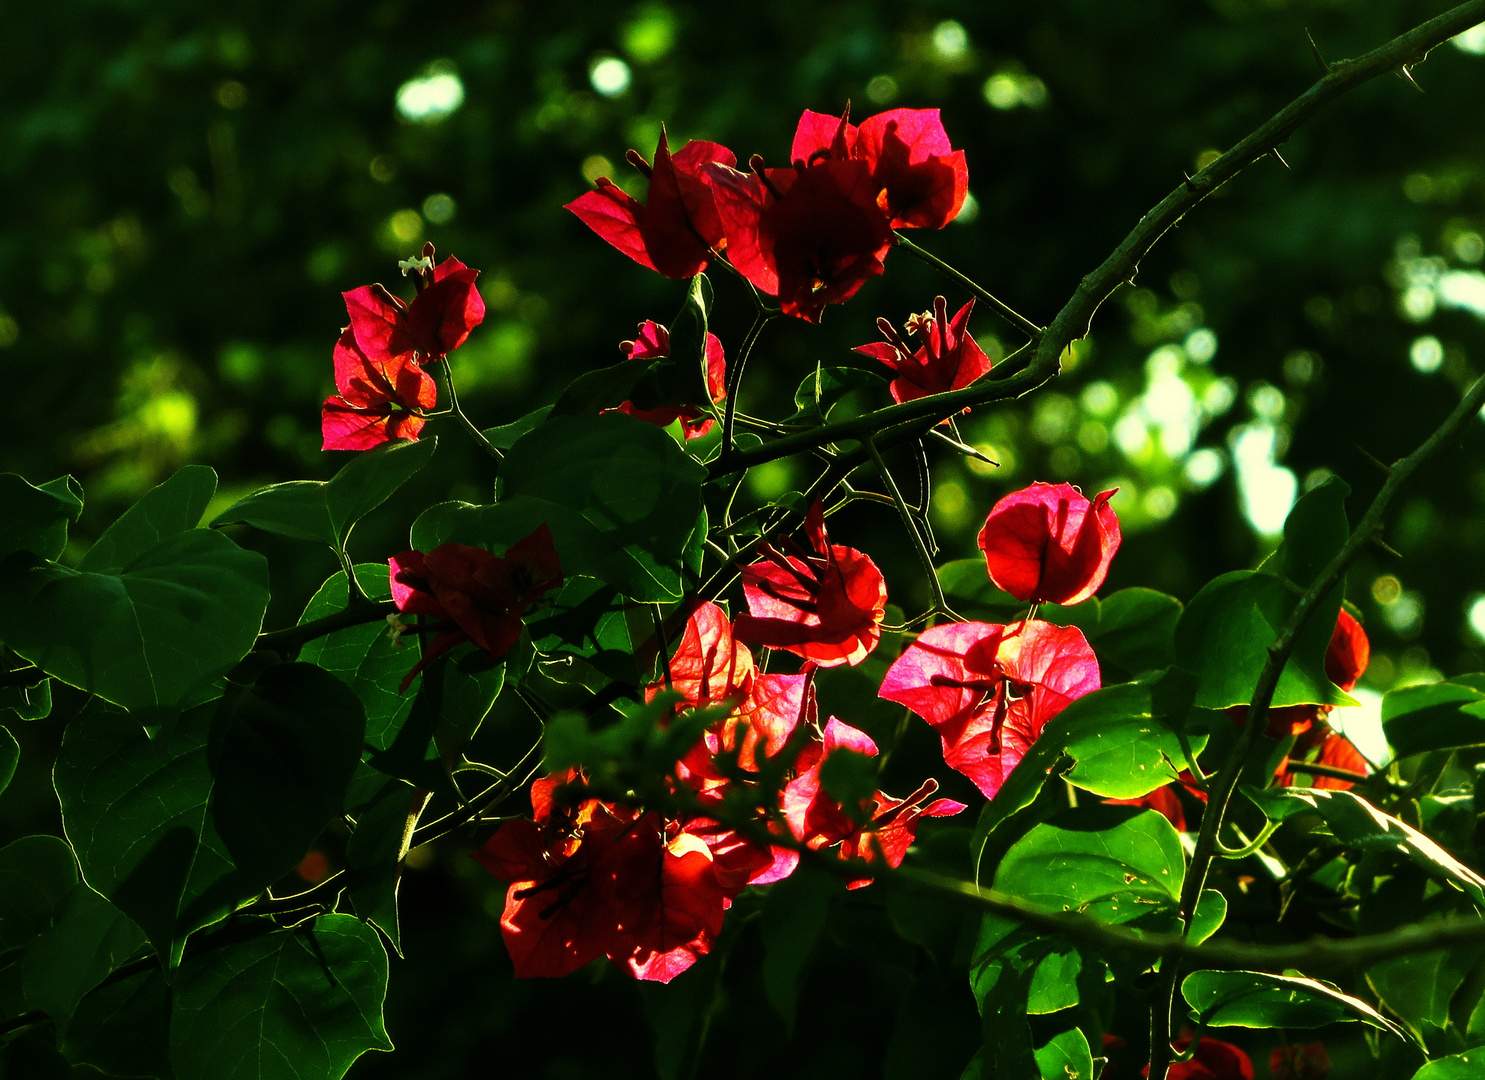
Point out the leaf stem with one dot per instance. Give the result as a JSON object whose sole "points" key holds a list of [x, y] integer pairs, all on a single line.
{"points": [[478, 435]]}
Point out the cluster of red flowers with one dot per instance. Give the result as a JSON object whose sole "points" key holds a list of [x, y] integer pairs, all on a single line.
{"points": [[809, 234], [589, 877], [384, 388], [987, 689]]}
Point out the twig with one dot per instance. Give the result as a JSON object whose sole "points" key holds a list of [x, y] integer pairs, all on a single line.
{"points": [[940, 603], [1008, 313], [479, 436], [352, 615]]}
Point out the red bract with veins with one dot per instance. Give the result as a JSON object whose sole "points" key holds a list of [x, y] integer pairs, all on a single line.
{"points": [[1047, 542], [826, 605], [675, 230], [439, 319], [948, 358], [653, 343], [810, 235], [474, 595], [920, 180], [884, 828], [988, 690], [710, 667], [379, 400]]}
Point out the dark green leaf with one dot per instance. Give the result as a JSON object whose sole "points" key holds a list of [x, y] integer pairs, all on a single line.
{"points": [[825, 388], [28, 702], [88, 939], [1225, 633], [1006, 1050], [283, 752], [173, 507], [36, 517], [176, 617], [1258, 1000], [123, 1027], [1315, 531], [1065, 1057], [327, 510], [587, 619], [1419, 988], [629, 481], [794, 914], [594, 391], [1441, 716], [374, 859], [1136, 630], [36, 874], [137, 812], [299, 1004], [10, 755], [505, 436]]}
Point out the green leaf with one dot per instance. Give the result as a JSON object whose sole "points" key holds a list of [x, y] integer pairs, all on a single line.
{"points": [[505, 436], [1360, 825], [327, 510], [298, 1004], [177, 616], [283, 752], [635, 489], [1419, 987], [28, 702], [1136, 630], [825, 387], [1315, 531], [1469, 1065], [10, 756], [793, 918], [373, 858], [137, 813], [166, 510], [1122, 746], [594, 391], [123, 1027], [36, 874], [36, 517], [1066, 1057], [1258, 1000], [1115, 863], [587, 619], [88, 939], [1006, 1050], [1225, 633], [1441, 716]]}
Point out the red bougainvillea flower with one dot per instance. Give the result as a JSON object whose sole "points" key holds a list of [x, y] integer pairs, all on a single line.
{"points": [[598, 879], [653, 343], [1213, 1060], [885, 827], [1047, 542], [811, 234], [988, 690], [379, 400], [920, 180], [1307, 1061], [826, 605], [474, 595], [437, 322], [676, 229], [947, 360], [710, 666]]}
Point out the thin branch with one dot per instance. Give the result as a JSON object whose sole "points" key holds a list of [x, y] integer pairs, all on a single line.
{"points": [[1008, 313], [940, 603], [734, 378], [478, 435]]}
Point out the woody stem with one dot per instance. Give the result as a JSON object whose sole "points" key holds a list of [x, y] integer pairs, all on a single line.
{"points": [[1008, 313], [940, 603], [479, 436]]}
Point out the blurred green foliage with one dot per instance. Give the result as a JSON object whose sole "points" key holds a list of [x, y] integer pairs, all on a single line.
{"points": [[187, 187]]}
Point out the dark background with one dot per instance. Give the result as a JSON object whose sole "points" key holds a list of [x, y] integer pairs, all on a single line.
{"points": [[185, 194]]}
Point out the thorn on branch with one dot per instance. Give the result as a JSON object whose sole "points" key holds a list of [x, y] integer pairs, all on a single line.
{"points": [[1315, 52], [1275, 151], [1386, 469], [1386, 547], [1406, 71]]}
